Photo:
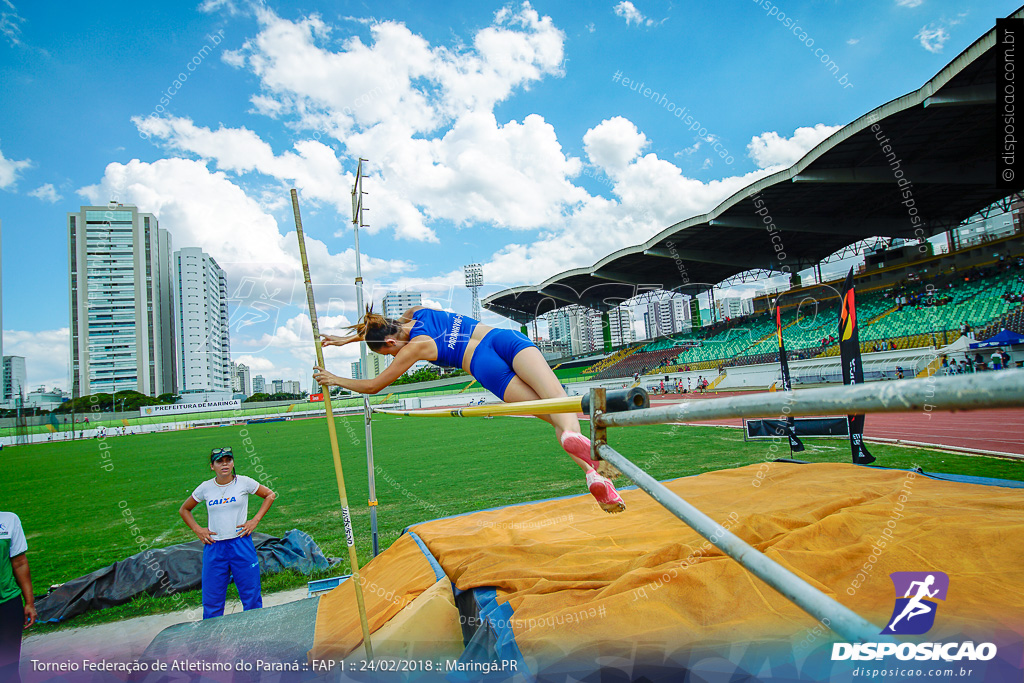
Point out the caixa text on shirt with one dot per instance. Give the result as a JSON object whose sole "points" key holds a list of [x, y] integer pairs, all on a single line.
{"points": [[220, 501]]}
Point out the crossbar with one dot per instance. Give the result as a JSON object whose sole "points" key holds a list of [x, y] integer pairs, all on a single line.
{"points": [[840, 618], [997, 389], [617, 399], [547, 406]]}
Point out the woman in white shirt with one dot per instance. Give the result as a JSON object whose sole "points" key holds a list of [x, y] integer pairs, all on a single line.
{"points": [[228, 550]]}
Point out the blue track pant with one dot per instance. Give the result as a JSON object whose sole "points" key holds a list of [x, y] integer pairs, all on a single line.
{"points": [[224, 560]]}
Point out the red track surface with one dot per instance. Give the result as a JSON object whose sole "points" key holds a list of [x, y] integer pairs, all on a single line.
{"points": [[988, 430], [991, 430]]}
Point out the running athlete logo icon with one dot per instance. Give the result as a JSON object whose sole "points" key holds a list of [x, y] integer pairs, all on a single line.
{"points": [[914, 613]]}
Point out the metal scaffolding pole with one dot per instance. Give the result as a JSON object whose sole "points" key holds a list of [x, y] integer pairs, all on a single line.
{"points": [[839, 618], [1004, 389], [357, 222]]}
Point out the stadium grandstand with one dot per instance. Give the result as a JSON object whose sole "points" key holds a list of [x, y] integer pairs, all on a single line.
{"points": [[840, 202]]}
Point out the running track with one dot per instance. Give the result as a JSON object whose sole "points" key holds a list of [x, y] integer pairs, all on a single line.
{"points": [[991, 430]]}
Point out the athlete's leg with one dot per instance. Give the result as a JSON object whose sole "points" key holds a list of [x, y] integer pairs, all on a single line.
{"points": [[518, 391], [245, 568], [216, 575], [533, 370]]}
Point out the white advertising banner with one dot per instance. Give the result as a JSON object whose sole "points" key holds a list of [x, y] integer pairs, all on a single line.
{"points": [[178, 408]]}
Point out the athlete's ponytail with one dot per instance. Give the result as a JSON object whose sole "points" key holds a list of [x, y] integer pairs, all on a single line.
{"points": [[374, 328]]}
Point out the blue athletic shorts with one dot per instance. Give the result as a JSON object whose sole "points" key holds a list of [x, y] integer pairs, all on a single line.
{"points": [[492, 359]]}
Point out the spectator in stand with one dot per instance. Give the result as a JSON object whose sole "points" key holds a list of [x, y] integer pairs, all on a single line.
{"points": [[831, 339], [997, 359], [979, 362], [945, 365], [1005, 358], [899, 372]]}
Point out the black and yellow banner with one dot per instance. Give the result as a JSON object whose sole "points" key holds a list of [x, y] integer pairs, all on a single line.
{"points": [[853, 371]]}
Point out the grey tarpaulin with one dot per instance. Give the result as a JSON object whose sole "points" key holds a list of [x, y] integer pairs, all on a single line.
{"points": [[170, 571]]}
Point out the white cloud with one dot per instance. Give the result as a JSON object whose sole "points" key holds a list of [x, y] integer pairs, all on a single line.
{"points": [[206, 209], [47, 193], [46, 355], [853, 41], [628, 11], [614, 143], [771, 150], [10, 23], [210, 6], [933, 37], [909, 3], [10, 169]]}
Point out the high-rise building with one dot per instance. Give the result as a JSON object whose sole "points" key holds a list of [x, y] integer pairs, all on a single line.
{"points": [[666, 316], [733, 307], [200, 289], [240, 379], [291, 387], [357, 370], [14, 378], [121, 319], [259, 385], [397, 303], [277, 386], [621, 322], [575, 329]]}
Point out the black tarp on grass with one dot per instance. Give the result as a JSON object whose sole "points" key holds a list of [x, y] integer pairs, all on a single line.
{"points": [[169, 571]]}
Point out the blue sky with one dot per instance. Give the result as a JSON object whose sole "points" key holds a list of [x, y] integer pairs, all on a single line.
{"points": [[494, 132]]}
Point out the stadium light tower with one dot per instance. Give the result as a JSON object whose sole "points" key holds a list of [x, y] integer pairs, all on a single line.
{"points": [[474, 273]]}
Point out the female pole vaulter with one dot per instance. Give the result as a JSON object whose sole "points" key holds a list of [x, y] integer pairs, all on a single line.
{"points": [[505, 363]]}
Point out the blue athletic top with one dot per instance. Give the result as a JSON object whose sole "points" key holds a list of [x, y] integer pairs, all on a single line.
{"points": [[450, 331]]}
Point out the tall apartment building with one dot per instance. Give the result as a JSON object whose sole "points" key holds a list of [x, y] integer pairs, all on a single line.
{"points": [[120, 289], [575, 329], [733, 307], [200, 289], [291, 387], [571, 330], [259, 385], [277, 386], [14, 378], [621, 322], [240, 379], [375, 364], [397, 303], [666, 316]]}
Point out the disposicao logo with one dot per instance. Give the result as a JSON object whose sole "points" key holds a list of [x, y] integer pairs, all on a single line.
{"points": [[914, 614]]}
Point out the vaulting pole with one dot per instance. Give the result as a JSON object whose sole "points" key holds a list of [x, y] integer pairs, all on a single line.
{"points": [[333, 433]]}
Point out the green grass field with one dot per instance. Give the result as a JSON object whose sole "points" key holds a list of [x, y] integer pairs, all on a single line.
{"points": [[71, 507]]}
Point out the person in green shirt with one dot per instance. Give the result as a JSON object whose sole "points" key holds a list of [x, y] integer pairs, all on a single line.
{"points": [[15, 584]]}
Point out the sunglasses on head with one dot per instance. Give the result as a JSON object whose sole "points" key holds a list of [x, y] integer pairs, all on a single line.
{"points": [[218, 453]]}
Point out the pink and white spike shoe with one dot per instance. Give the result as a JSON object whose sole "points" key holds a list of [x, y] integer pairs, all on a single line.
{"points": [[603, 490]]}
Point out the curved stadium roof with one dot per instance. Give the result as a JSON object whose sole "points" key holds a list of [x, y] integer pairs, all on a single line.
{"points": [[842, 191]]}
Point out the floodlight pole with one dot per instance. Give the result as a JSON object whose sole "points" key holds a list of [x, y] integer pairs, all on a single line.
{"points": [[357, 222]]}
